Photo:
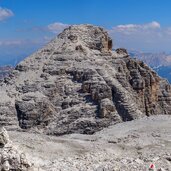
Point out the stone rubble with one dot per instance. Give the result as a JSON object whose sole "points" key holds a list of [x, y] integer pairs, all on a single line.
{"points": [[10, 157]]}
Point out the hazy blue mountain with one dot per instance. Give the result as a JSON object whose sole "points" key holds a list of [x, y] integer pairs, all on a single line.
{"points": [[4, 71], [153, 59], [160, 62], [12, 61], [16, 54], [164, 71]]}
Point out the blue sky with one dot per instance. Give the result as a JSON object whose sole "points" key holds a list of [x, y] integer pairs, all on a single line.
{"points": [[26, 25]]}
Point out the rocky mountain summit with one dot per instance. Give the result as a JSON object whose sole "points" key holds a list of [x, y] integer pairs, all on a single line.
{"points": [[77, 84]]}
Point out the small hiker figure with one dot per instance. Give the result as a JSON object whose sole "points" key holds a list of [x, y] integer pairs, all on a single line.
{"points": [[152, 167]]}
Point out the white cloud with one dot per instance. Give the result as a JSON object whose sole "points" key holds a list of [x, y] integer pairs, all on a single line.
{"points": [[168, 31], [5, 13], [133, 28], [152, 25], [24, 42], [148, 37], [10, 42], [57, 27]]}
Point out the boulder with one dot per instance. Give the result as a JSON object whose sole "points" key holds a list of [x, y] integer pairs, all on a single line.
{"points": [[10, 157]]}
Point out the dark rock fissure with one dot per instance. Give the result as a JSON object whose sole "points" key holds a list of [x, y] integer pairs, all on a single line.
{"points": [[122, 111], [20, 117]]}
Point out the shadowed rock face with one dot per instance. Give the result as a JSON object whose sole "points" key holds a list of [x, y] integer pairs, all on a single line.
{"points": [[77, 84]]}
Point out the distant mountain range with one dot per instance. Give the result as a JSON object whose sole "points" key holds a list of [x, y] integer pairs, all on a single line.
{"points": [[4, 71], [165, 72], [160, 62], [8, 60]]}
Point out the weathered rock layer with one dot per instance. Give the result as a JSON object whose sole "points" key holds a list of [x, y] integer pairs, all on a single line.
{"points": [[78, 84]]}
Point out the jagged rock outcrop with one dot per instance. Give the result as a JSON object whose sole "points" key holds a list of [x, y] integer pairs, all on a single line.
{"points": [[10, 157], [78, 84]]}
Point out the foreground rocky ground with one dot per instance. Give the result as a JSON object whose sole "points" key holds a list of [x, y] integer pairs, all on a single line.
{"points": [[129, 146]]}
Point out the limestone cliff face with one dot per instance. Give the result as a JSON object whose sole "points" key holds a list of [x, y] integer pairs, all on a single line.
{"points": [[78, 84]]}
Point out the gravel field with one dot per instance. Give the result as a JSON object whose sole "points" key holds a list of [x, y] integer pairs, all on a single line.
{"points": [[125, 146]]}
